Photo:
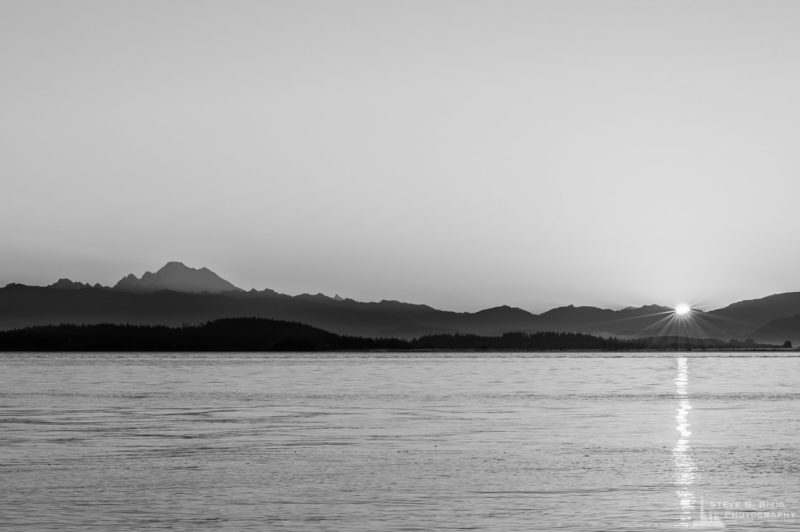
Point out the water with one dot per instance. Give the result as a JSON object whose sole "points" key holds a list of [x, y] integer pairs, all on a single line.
{"points": [[398, 441]]}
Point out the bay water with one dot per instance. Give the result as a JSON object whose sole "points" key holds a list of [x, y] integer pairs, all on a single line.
{"points": [[399, 441]]}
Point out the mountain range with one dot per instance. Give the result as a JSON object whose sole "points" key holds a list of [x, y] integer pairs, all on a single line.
{"points": [[178, 295]]}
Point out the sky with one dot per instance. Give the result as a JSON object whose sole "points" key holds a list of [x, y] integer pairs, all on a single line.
{"points": [[463, 154]]}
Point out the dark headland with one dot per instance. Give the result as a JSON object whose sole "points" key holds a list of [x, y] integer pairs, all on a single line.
{"points": [[256, 334]]}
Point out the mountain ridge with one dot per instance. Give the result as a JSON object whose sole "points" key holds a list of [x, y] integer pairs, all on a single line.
{"points": [[177, 294]]}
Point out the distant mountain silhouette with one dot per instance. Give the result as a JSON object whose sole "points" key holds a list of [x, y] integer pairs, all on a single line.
{"points": [[66, 284], [630, 321], [177, 277], [178, 295], [778, 331], [744, 317], [22, 306]]}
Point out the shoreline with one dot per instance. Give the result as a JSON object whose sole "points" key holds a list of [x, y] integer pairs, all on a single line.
{"points": [[409, 351]]}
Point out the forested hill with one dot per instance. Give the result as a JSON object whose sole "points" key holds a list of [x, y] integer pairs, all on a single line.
{"points": [[255, 334]]}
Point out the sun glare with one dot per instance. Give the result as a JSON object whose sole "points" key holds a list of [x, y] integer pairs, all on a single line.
{"points": [[682, 309]]}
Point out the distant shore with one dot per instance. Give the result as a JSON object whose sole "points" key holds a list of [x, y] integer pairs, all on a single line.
{"points": [[264, 335]]}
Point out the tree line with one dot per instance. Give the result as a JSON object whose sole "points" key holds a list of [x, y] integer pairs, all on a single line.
{"points": [[256, 334]]}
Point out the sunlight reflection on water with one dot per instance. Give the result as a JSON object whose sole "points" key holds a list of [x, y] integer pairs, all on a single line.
{"points": [[684, 464]]}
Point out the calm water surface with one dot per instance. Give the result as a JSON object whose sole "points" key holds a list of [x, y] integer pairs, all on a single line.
{"points": [[399, 441]]}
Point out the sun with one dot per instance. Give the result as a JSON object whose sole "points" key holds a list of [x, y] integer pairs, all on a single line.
{"points": [[682, 309]]}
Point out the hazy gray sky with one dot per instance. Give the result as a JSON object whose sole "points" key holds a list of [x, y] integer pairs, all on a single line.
{"points": [[462, 154]]}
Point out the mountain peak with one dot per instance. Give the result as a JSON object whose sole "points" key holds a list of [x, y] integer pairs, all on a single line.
{"points": [[67, 284], [174, 264], [178, 277]]}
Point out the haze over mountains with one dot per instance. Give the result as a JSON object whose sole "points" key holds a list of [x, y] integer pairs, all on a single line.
{"points": [[177, 294]]}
